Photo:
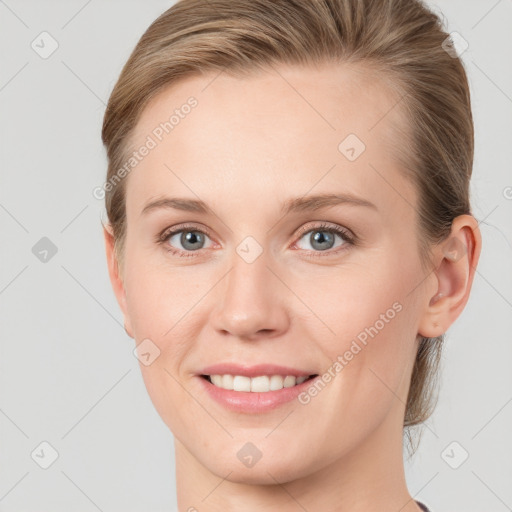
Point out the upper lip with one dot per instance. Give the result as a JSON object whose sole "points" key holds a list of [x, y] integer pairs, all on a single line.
{"points": [[253, 371]]}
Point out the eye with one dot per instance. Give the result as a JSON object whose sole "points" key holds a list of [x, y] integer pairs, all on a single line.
{"points": [[323, 238], [190, 238]]}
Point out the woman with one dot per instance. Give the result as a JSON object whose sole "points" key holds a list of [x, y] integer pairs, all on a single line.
{"points": [[289, 237]]}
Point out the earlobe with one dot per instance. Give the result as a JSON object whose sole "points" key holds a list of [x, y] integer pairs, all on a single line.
{"points": [[115, 276], [457, 258]]}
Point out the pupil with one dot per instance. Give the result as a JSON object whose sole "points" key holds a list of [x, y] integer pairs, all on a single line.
{"points": [[189, 238], [321, 239]]}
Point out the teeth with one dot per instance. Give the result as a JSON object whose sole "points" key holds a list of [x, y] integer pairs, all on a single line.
{"points": [[260, 384], [276, 382], [227, 381], [217, 380], [241, 383]]}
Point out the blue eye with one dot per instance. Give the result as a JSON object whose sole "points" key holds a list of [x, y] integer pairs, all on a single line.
{"points": [[190, 239], [322, 239]]}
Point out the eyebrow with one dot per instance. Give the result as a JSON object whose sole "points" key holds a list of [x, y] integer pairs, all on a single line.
{"points": [[317, 202], [294, 205]]}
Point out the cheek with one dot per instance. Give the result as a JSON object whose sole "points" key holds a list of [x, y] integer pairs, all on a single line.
{"points": [[161, 301], [160, 315], [366, 301], [165, 307], [367, 330], [368, 357]]}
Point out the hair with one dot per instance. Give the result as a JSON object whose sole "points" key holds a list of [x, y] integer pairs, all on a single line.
{"points": [[401, 41]]}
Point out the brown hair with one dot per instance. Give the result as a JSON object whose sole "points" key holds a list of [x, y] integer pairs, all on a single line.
{"points": [[401, 40]]}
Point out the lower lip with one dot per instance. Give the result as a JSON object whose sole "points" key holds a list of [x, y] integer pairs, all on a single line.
{"points": [[249, 402]]}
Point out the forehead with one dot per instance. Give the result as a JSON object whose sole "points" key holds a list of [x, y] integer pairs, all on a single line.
{"points": [[284, 131]]}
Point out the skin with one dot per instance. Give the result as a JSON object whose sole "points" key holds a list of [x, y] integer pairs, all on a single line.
{"points": [[251, 144]]}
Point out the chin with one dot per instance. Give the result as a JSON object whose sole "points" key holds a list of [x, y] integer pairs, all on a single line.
{"points": [[269, 471]]}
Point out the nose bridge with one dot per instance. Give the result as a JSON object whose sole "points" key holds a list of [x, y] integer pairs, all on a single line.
{"points": [[249, 269], [250, 296]]}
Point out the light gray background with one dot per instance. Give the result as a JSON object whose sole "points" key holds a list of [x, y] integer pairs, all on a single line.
{"points": [[67, 372]]}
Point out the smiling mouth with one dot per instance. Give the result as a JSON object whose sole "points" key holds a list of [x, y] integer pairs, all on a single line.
{"points": [[259, 384]]}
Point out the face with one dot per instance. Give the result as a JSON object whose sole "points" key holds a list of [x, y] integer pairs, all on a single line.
{"points": [[267, 281]]}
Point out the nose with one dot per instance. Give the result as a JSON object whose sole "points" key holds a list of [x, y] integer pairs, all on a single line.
{"points": [[251, 302]]}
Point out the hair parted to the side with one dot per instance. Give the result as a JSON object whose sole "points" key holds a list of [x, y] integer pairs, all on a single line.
{"points": [[399, 41]]}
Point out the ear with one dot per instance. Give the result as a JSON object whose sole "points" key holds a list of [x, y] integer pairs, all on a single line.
{"points": [[456, 258], [116, 277]]}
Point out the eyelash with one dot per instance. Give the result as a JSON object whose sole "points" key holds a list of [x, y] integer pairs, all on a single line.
{"points": [[346, 235]]}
